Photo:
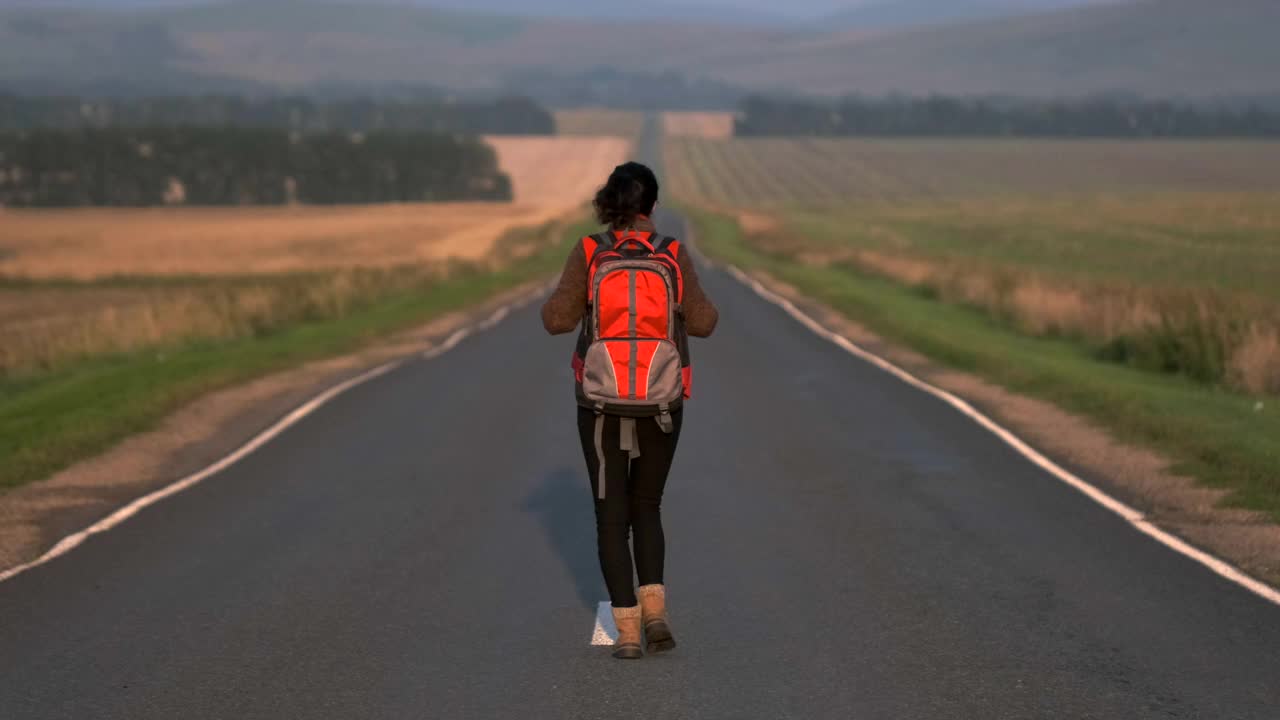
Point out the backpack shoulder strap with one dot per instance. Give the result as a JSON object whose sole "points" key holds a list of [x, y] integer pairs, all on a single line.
{"points": [[593, 244], [663, 244], [670, 248]]}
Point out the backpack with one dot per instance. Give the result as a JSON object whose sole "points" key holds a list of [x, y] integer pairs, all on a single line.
{"points": [[632, 358]]}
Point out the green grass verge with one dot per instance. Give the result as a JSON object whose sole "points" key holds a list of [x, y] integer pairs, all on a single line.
{"points": [[49, 421], [1224, 439]]}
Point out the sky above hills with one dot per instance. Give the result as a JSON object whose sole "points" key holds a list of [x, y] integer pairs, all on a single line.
{"points": [[731, 11], [800, 8]]}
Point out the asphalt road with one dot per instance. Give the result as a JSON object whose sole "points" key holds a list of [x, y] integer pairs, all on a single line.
{"points": [[840, 546]]}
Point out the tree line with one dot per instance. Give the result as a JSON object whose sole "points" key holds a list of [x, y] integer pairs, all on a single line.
{"points": [[1100, 117], [501, 116], [242, 166]]}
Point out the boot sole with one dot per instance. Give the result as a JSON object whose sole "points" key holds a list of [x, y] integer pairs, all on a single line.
{"points": [[628, 652], [658, 638]]}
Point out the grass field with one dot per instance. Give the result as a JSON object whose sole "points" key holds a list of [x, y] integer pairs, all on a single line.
{"points": [[1119, 245], [1224, 439], [1171, 282], [785, 172], [53, 418], [1125, 280]]}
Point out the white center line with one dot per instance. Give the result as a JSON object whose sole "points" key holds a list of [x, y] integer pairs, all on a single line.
{"points": [[605, 632]]}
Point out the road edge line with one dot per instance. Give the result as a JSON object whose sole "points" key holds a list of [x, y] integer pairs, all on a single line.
{"points": [[122, 514], [1131, 515]]}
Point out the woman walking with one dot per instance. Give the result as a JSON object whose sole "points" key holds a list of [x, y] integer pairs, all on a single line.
{"points": [[636, 296]]}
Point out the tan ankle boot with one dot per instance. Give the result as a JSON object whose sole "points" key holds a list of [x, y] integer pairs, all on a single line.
{"points": [[653, 610], [628, 621]]}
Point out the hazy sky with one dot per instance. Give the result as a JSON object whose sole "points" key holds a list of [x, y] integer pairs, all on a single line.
{"points": [[791, 8], [818, 7], [635, 8]]}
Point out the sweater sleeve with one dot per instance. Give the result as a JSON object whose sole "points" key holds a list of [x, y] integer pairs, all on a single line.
{"points": [[564, 309], [700, 314]]}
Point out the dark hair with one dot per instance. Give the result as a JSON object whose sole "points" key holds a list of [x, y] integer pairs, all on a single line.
{"points": [[632, 190]]}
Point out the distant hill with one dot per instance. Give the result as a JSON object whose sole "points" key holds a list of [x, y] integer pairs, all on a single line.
{"points": [[649, 10], [1161, 47], [676, 10], [304, 44], [884, 14], [1186, 48]]}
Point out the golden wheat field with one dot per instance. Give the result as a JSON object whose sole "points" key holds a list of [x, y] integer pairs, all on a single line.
{"points": [[709, 125], [551, 177], [559, 172], [599, 121], [92, 243], [80, 282]]}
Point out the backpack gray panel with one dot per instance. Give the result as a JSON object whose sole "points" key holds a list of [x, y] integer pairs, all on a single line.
{"points": [[666, 379], [599, 380]]}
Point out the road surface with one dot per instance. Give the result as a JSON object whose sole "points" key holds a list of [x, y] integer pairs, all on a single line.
{"points": [[841, 546]]}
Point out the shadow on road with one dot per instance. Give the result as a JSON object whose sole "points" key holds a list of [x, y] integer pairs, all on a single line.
{"points": [[562, 504]]}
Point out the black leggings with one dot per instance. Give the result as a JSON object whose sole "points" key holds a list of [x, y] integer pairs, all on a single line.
{"points": [[632, 498]]}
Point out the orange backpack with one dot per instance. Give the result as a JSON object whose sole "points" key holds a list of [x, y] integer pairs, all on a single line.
{"points": [[632, 358]]}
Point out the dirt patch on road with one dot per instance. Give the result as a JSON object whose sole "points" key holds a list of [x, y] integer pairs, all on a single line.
{"points": [[1139, 476], [34, 517]]}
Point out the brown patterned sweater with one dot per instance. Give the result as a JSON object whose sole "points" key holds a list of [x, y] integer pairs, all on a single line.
{"points": [[567, 304]]}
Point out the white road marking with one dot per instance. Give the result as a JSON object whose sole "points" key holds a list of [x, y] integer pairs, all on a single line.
{"points": [[496, 318], [606, 631], [1133, 516], [72, 541], [450, 343]]}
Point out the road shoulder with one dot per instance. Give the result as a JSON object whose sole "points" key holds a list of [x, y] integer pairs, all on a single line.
{"points": [[1139, 476]]}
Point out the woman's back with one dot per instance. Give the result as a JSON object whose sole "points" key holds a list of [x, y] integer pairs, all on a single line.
{"points": [[632, 371]]}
